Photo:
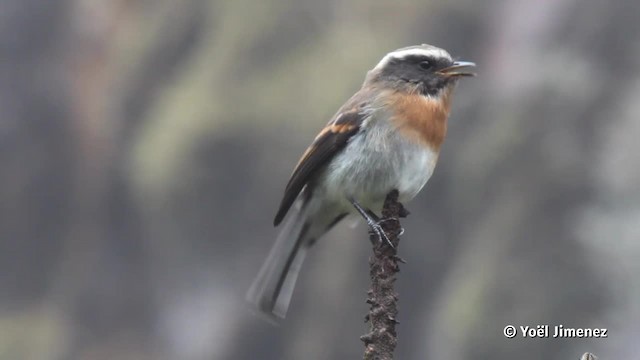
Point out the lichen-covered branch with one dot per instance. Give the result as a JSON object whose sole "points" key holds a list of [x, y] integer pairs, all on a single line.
{"points": [[381, 340]]}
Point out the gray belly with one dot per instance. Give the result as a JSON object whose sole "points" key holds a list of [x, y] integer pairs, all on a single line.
{"points": [[375, 162]]}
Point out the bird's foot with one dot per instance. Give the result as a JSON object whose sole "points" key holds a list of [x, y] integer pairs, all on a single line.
{"points": [[374, 223], [376, 228]]}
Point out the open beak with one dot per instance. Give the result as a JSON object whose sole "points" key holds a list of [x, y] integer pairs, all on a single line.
{"points": [[459, 68]]}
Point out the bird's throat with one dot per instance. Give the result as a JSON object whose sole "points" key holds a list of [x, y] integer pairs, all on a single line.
{"points": [[422, 119]]}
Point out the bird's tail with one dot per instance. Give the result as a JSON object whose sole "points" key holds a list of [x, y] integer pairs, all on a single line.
{"points": [[273, 287]]}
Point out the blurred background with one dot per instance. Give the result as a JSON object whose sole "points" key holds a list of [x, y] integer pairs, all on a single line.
{"points": [[144, 147]]}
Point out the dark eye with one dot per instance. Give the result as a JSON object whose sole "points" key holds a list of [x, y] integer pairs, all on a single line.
{"points": [[425, 65]]}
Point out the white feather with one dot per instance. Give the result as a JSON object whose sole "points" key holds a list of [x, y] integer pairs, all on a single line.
{"points": [[425, 50], [374, 162]]}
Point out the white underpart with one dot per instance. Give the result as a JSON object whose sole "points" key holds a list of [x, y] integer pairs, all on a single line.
{"points": [[373, 163], [430, 51]]}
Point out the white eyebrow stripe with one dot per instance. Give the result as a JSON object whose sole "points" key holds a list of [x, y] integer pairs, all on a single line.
{"points": [[399, 54]]}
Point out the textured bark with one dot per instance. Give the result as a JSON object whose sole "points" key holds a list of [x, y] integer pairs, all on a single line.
{"points": [[381, 340]]}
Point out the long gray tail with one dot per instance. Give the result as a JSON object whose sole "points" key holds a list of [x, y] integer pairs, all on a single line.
{"points": [[273, 287]]}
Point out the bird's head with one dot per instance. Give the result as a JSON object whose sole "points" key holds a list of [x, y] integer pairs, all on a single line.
{"points": [[422, 68]]}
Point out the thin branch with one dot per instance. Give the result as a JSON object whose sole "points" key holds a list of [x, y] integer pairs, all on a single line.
{"points": [[381, 340]]}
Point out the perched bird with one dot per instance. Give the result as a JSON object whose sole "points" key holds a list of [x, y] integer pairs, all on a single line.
{"points": [[386, 136]]}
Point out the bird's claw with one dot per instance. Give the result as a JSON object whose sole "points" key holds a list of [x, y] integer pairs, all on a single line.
{"points": [[377, 229], [374, 222]]}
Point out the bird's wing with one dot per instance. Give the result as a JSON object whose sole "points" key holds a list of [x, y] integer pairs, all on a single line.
{"points": [[331, 140]]}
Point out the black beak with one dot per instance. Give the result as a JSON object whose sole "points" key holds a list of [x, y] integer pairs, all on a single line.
{"points": [[459, 68]]}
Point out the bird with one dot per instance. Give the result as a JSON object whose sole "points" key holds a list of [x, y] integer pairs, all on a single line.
{"points": [[386, 137]]}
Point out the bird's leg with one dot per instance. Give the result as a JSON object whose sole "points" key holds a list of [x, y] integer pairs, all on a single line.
{"points": [[372, 220], [380, 221]]}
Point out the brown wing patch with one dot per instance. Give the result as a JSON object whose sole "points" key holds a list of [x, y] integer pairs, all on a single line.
{"points": [[343, 124], [422, 119], [329, 142]]}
